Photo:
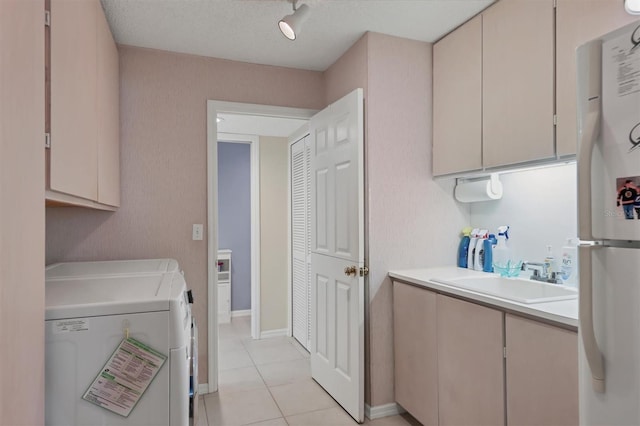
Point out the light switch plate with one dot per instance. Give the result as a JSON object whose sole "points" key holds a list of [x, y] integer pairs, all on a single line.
{"points": [[198, 230]]}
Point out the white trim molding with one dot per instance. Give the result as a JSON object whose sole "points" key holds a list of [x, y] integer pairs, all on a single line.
{"points": [[254, 146], [203, 388], [380, 411], [241, 313], [274, 333], [212, 247]]}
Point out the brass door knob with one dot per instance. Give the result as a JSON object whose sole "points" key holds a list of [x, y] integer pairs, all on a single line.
{"points": [[350, 270]]}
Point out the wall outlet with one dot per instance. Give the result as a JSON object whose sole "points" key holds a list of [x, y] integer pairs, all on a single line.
{"points": [[198, 231]]}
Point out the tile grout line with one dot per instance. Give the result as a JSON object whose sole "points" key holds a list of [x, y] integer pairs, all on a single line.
{"points": [[204, 408], [242, 340]]}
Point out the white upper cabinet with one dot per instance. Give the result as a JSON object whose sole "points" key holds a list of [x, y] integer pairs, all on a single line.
{"points": [[517, 90], [108, 107], [74, 151], [527, 78], [457, 100], [83, 109]]}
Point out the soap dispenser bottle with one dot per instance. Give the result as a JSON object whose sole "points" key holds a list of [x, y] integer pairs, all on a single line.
{"points": [[568, 270], [550, 262]]}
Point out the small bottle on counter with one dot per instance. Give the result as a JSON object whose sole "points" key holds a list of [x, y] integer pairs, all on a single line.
{"points": [[568, 267], [550, 262], [478, 255], [489, 246], [472, 247], [463, 248], [502, 253]]}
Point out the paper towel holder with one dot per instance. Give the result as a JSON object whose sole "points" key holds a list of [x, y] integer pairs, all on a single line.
{"points": [[487, 188]]}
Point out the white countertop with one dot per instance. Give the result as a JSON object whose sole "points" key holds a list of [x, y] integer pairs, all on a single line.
{"points": [[562, 312]]}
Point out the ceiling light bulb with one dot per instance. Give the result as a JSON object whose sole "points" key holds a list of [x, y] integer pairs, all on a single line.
{"points": [[290, 25], [632, 6]]}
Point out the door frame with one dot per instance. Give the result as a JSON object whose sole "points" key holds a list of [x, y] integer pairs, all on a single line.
{"points": [[213, 108], [254, 155]]}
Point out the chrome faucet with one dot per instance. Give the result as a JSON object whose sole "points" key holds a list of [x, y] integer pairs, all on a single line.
{"points": [[541, 272]]}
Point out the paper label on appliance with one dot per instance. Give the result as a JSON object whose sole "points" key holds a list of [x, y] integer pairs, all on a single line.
{"points": [[70, 325], [125, 377], [621, 96], [625, 56]]}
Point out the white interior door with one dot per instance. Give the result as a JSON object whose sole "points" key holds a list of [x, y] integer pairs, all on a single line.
{"points": [[337, 245]]}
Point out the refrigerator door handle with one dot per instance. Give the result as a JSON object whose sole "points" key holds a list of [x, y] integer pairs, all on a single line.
{"points": [[590, 59], [591, 349], [587, 143]]}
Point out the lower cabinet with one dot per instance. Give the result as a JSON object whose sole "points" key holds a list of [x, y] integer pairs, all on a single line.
{"points": [[454, 357], [470, 363], [414, 338], [542, 373]]}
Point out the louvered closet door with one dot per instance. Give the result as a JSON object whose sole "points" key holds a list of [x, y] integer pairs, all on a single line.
{"points": [[300, 240]]}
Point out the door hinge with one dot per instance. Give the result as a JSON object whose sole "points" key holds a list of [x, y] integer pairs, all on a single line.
{"points": [[364, 271], [47, 18], [504, 352], [47, 140], [555, 119]]}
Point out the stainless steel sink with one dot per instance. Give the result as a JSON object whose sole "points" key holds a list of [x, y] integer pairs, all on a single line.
{"points": [[516, 289]]}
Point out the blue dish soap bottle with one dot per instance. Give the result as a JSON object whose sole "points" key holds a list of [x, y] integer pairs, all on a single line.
{"points": [[463, 248], [489, 245]]}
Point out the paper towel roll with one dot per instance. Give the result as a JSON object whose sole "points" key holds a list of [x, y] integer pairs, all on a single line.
{"points": [[479, 190]]}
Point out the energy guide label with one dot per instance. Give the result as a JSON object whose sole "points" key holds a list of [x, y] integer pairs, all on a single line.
{"points": [[71, 325]]}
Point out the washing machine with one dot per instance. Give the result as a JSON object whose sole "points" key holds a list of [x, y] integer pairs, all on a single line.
{"points": [[110, 267], [91, 307]]}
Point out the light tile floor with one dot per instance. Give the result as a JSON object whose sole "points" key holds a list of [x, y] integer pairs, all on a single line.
{"points": [[268, 382]]}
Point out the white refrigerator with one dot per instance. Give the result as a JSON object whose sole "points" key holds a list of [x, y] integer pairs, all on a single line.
{"points": [[609, 227]]}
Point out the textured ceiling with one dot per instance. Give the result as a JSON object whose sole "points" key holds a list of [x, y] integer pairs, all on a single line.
{"points": [[247, 30]]}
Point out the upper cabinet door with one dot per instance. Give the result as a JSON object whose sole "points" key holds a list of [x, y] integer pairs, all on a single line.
{"points": [[73, 98], [577, 22], [108, 126], [457, 100], [518, 79]]}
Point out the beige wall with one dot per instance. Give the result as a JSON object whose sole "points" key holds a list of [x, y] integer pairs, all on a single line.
{"points": [[163, 161], [21, 212], [348, 73], [273, 233]]}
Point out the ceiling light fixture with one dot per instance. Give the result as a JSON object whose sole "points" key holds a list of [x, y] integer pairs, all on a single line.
{"points": [[290, 25], [632, 6]]}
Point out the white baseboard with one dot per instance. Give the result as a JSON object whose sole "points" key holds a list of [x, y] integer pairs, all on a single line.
{"points": [[273, 333], [243, 313], [203, 388], [380, 411]]}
